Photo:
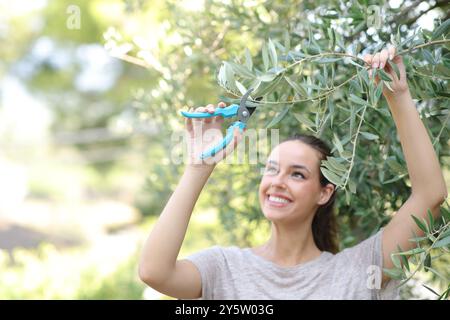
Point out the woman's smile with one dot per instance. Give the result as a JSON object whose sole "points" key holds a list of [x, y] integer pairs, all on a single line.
{"points": [[277, 201]]}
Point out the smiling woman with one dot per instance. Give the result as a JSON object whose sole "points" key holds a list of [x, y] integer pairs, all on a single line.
{"points": [[289, 185], [300, 259]]}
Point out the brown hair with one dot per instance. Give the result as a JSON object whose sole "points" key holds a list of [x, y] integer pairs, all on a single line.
{"points": [[324, 225]]}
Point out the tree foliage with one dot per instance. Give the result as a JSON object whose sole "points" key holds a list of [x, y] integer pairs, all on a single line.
{"points": [[304, 58]]}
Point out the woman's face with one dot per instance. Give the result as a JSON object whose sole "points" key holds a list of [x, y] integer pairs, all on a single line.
{"points": [[290, 188]]}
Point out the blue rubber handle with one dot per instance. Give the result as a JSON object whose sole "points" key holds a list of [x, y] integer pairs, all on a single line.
{"points": [[222, 145], [226, 112]]}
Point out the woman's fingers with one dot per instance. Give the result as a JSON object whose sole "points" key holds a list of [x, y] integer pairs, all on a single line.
{"points": [[200, 109], [384, 55], [376, 60], [379, 59], [219, 119], [197, 122], [210, 133], [392, 51], [368, 59], [209, 109]]}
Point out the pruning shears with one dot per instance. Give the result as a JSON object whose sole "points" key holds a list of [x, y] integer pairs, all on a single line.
{"points": [[243, 113]]}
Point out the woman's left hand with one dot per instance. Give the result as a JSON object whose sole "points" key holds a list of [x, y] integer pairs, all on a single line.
{"points": [[380, 61]]}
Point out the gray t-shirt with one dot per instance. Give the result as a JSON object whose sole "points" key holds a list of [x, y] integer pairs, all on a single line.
{"points": [[239, 274]]}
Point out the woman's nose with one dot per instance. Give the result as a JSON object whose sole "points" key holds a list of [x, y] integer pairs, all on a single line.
{"points": [[278, 181]]}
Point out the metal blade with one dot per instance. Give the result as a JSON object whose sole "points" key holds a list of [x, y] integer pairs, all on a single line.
{"points": [[244, 98]]}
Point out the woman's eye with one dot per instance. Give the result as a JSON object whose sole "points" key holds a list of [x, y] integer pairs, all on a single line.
{"points": [[298, 175], [271, 170]]}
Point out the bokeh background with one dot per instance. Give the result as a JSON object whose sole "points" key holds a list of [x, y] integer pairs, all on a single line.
{"points": [[89, 93]]}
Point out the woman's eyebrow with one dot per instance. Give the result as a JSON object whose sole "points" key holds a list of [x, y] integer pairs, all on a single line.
{"points": [[298, 166]]}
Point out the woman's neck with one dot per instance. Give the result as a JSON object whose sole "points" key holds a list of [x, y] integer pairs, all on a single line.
{"points": [[289, 246]]}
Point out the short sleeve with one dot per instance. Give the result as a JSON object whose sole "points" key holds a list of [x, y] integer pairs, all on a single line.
{"points": [[207, 262], [367, 258]]}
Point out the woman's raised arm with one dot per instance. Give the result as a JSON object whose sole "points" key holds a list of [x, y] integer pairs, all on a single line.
{"points": [[159, 267], [428, 189]]}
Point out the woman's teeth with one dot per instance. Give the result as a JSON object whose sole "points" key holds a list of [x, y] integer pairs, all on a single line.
{"points": [[277, 199]]}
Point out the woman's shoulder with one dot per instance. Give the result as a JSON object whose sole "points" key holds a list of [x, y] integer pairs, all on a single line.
{"points": [[221, 251], [361, 256], [231, 251]]}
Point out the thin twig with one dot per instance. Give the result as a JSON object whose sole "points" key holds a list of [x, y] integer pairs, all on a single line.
{"points": [[427, 251], [442, 129], [327, 93], [354, 147]]}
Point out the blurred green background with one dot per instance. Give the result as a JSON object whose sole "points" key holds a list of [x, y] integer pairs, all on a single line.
{"points": [[89, 97], [75, 153]]}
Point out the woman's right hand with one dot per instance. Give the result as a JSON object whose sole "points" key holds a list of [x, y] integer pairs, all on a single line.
{"points": [[205, 133]]}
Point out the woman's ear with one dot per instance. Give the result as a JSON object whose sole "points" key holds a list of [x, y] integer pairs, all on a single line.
{"points": [[326, 193]]}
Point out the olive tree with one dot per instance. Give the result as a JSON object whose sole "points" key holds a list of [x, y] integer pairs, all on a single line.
{"points": [[304, 61]]}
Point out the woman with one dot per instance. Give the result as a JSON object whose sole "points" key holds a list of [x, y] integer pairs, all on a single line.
{"points": [[299, 261]]}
